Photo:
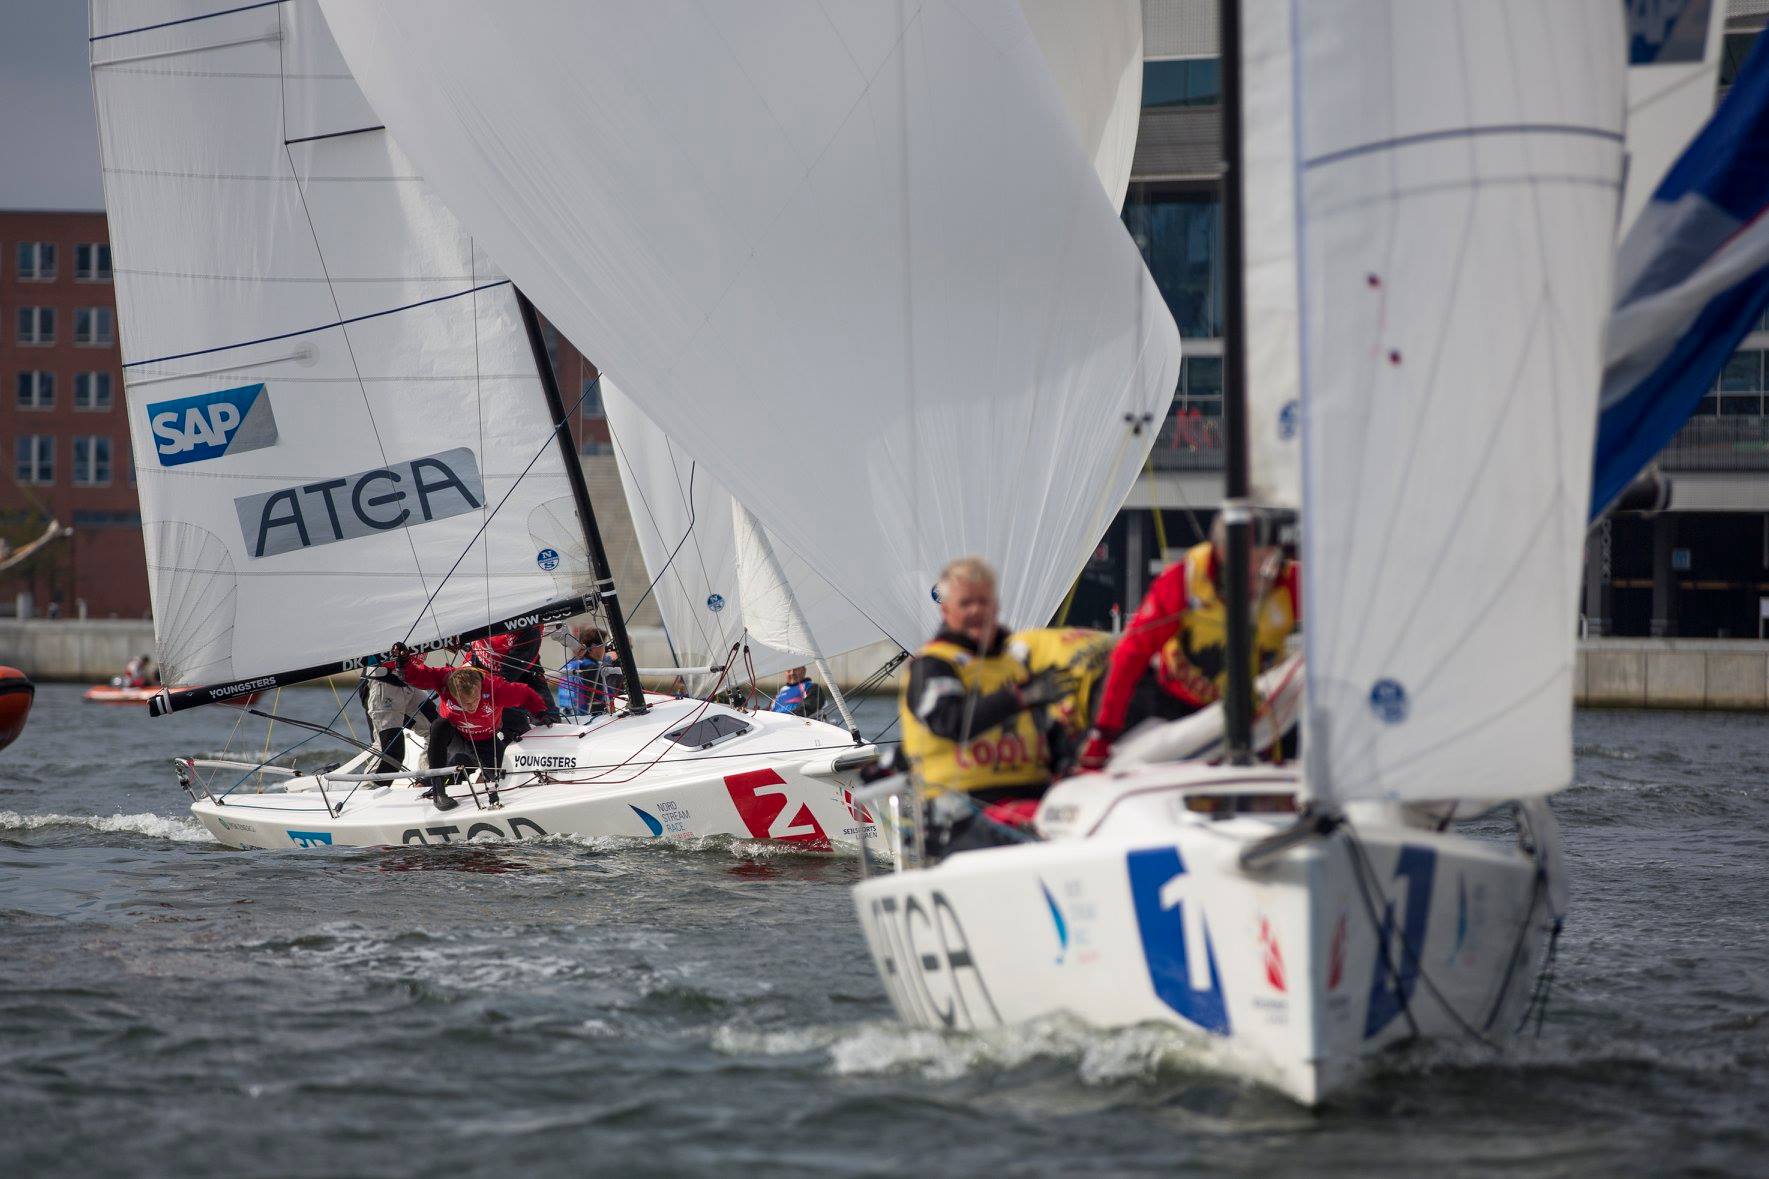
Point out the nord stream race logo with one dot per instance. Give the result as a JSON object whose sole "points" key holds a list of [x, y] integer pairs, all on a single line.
{"points": [[209, 425], [399, 495], [1667, 32]]}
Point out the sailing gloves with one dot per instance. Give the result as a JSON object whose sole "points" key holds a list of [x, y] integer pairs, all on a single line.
{"points": [[1047, 687], [1096, 751]]}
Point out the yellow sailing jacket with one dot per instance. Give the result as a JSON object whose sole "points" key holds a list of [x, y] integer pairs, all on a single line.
{"points": [[1012, 753]]}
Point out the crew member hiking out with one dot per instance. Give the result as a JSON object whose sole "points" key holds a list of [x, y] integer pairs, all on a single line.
{"points": [[477, 710], [392, 704], [972, 719], [1172, 661], [516, 657]]}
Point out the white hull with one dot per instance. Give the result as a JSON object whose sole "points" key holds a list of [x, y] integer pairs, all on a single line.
{"points": [[617, 777], [1280, 975]]}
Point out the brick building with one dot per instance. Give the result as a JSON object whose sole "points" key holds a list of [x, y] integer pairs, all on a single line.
{"points": [[64, 431], [64, 436]]}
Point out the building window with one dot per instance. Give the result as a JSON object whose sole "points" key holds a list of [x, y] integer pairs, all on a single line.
{"points": [[36, 325], [36, 390], [93, 326], [36, 261], [1196, 82], [92, 262], [1180, 236], [92, 461], [35, 459], [1734, 48], [92, 391]]}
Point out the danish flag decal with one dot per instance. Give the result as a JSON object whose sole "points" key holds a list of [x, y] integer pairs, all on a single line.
{"points": [[761, 799]]}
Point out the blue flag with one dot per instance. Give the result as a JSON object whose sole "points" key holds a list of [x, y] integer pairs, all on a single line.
{"points": [[1692, 278]]}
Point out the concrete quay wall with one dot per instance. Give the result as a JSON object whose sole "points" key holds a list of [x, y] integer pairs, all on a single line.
{"points": [[1719, 674], [92, 650]]}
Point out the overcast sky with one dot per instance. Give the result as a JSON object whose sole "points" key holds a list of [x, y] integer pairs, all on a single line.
{"points": [[48, 140]]}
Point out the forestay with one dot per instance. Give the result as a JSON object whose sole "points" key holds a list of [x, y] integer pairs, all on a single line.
{"points": [[858, 241], [329, 389], [1459, 169], [684, 519]]}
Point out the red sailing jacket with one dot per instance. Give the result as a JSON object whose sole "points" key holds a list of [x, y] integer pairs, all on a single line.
{"points": [[494, 697]]}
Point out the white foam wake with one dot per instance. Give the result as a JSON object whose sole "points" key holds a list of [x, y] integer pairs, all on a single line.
{"points": [[181, 830]]}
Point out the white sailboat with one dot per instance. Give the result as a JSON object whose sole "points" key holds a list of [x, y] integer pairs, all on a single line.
{"points": [[1456, 198], [346, 437]]}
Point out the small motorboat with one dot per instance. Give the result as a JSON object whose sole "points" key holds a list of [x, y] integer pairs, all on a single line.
{"points": [[16, 694], [143, 694], [119, 694]]}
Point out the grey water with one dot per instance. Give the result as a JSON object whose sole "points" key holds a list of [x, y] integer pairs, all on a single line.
{"points": [[573, 1007]]}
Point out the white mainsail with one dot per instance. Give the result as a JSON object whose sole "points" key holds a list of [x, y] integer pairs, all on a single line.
{"points": [[339, 433], [1456, 246], [860, 241]]}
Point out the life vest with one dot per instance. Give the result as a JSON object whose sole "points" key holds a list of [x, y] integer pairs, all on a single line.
{"points": [[1084, 654], [1012, 753], [1193, 663]]}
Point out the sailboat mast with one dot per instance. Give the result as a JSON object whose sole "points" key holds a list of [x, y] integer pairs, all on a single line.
{"points": [[580, 492], [1236, 511]]}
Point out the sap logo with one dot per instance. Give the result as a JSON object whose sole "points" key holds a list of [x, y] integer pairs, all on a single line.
{"points": [[1665, 32], [402, 495], [311, 838], [762, 801], [1176, 940], [926, 961], [209, 425]]}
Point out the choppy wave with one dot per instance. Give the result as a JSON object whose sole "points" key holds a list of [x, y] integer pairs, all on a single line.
{"points": [[180, 830], [875, 1048]]}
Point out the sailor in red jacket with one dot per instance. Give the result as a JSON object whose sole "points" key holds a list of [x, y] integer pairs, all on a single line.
{"points": [[477, 711], [1171, 661]]}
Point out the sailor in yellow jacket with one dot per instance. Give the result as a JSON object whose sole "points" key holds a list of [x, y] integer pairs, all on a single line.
{"points": [[973, 715]]}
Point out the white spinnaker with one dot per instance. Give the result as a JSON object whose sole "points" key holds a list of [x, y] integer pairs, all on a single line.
{"points": [[1460, 167], [683, 517], [856, 241], [1095, 54], [1094, 51], [1273, 349], [1674, 59], [265, 235]]}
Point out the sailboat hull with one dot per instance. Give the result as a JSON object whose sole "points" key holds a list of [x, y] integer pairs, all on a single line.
{"points": [[622, 778], [1292, 976]]}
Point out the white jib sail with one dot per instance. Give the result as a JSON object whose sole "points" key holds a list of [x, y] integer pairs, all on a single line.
{"points": [[330, 392], [859, 241], [1273, 348], [1673, 61], [1460, 165], [683, 517]]}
